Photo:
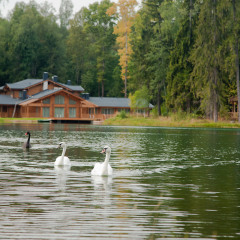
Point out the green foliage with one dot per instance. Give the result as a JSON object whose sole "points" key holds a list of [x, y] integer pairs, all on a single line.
{"points": [[4, 27], [140, 99], [181, 115], [33, 44], [92, 29], [122, 114], [184, 54], [65, 12]]}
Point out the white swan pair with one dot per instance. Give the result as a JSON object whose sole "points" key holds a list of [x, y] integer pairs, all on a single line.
{"points": [[100, 169]]}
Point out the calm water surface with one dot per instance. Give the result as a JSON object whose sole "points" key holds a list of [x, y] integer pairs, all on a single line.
{"points": [[168, 183]]}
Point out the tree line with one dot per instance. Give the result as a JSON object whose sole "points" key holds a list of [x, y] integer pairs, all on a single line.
{"points": [[181, 55]]}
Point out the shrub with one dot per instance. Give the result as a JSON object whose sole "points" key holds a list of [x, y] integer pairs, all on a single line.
{"points": [[122, 115]]}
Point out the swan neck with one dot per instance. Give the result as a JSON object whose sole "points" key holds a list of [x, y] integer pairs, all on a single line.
{"points": [[28, 138], [107, 157], [64, 150]]}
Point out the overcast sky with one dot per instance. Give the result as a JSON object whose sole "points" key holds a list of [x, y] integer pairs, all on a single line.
{"points": [[8, 5]]}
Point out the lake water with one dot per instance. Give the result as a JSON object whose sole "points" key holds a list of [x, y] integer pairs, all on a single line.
{"points": [[167, 183]]}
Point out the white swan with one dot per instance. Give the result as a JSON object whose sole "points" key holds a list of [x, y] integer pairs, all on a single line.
{"points": [[103, 169], [62, 160]]}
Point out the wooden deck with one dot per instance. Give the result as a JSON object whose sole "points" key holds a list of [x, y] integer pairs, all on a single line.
{"points": [[86, 118]]}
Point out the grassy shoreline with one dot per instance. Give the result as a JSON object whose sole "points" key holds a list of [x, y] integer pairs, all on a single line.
{"points": [[169, 122], [19, 120], [146, 122]]}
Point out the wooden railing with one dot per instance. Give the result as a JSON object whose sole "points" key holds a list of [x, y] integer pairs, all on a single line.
{"points": [[233, 115]]}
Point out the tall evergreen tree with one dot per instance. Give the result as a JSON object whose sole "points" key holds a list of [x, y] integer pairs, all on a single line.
{"points": [[236, 30], [206, 59], [179, 94]]}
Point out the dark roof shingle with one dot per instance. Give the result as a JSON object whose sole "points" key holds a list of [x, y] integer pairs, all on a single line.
{"points": [[8, 100], [23, 84], [29, 82], [110, 102]]}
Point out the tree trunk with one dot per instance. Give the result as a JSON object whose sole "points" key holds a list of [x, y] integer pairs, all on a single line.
{"points": [[190, 20], [215, 72], [215, 101], [237, 77], [125, 77], [103, 80], [125, 83], [159, 102]]}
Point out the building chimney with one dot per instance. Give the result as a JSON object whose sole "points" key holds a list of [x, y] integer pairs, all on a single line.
{"points": [[55, 78], [45, 76], [68, 82], [85, 96], [24, 94]]}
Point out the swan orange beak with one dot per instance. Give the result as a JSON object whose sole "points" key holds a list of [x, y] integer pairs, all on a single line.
{"points": [[103, 151], [26, 134]]}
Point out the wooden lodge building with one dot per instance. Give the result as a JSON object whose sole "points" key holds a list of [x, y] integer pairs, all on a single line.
{"points": [[49, 99]]}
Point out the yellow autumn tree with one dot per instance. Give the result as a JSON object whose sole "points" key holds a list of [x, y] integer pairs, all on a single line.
{"points": [[125, 11]]}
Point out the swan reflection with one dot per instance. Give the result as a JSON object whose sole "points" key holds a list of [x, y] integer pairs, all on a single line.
{"points": [[61, 176], [102, 182], [102, 189]]}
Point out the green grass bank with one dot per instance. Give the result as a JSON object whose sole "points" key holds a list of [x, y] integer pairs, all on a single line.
{"points": [[148, 121], [18, 120], [169, 122]]}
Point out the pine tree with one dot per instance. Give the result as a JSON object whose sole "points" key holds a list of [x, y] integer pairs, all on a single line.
{"points": [[206, 59], [179, 94]]}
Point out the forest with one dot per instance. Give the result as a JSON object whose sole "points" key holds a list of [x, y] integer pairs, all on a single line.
{"points": [[179, 55]]}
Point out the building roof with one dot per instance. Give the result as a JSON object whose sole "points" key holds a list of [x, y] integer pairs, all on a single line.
{"points": [[112, 102], [45, 93], [72, 87], [23, 84], [29, 82], [39, 95], [8, 100], [48, 92]]}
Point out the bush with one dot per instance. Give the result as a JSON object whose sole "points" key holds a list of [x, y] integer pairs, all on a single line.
{"points": [[181, 116], [154, 112], [122, 115]]}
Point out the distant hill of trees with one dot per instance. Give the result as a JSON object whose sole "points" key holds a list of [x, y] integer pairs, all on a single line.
{"points": [[183, 55]]}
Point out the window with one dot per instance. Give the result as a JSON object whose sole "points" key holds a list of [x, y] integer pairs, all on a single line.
{"points": [[91, 110], [126, 110], [59, 99], [72, 102], [20, 94], [72, 112], [46, 101], [107, 111], [46, 112], [59, 112], [140, 111], [4, 109]]}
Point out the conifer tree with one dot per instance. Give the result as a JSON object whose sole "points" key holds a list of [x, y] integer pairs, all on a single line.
{"points": [[179, 94], [206, 59]]}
